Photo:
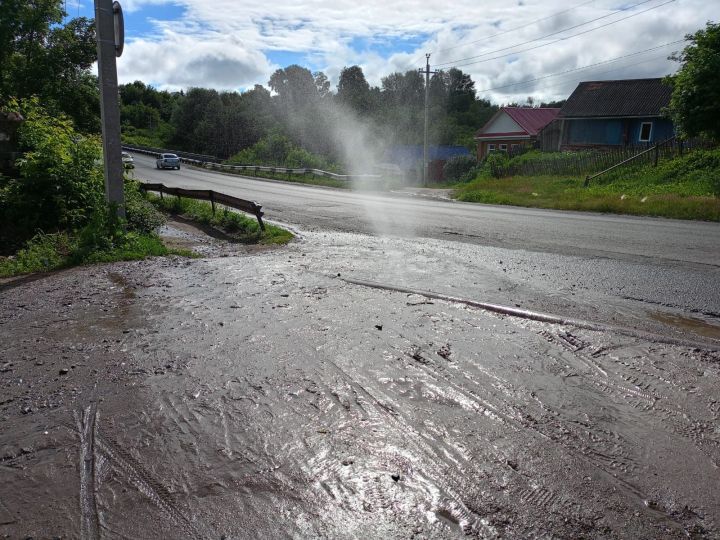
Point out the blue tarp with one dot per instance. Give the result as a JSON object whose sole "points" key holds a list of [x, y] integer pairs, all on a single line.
{"points": [[411, 155]]}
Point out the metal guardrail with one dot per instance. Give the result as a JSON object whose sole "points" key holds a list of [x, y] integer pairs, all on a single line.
{"points": [[209, 195], [211, 164]]}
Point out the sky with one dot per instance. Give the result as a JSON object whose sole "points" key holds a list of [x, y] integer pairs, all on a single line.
{"points": [[513, 49]]}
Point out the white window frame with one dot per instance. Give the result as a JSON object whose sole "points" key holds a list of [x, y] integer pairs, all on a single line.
{"points": [[491, 148], [503, 147], [649, 137]]}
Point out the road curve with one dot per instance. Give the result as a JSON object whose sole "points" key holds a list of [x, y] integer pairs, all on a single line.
{"points": [[561, 232]]}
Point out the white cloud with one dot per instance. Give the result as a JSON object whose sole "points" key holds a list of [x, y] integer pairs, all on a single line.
{"points": [[178, 60], [225, 43]]}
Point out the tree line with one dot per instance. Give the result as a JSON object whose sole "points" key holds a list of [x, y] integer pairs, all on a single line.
{"points": [[304, 107]]}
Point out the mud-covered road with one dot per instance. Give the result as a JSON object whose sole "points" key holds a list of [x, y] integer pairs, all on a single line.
{"points": [[264, 394]]}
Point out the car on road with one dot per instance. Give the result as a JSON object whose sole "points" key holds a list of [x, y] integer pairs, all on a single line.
{"points": [[127, 161], [167, 161]]}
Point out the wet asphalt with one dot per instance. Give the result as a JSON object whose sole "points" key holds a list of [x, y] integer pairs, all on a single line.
{"points": [[265, 393]]}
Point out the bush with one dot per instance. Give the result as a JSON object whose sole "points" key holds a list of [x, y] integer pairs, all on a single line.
{"points": [[457, 167], [141, 215], [276, 150], [497, 163], [60, 183]]}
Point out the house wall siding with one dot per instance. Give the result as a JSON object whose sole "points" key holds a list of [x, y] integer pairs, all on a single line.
{"points": [[661, 129], [602, 132], [502, 124], [482, 147], [614, 132]]}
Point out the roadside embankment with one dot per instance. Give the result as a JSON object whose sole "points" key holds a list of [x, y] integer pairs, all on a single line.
{"points": [[686, 187]]}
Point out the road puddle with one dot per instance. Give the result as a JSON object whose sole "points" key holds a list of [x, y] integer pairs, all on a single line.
{"points": [[692, 324]]}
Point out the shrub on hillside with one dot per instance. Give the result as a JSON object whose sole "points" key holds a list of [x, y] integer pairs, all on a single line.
{"points": [[60, 182], [497, 163], [457, 167], [276, 150], [141, 214]]}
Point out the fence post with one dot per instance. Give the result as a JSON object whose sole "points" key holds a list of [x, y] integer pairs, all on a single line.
{"points": [[657, 154], [212, 201]]}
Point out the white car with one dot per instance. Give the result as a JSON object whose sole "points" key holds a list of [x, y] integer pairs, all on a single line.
{"points": [[127, 161], [167, 161]]}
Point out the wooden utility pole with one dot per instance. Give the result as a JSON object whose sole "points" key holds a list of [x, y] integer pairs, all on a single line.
{"points": [[110, 36], [427, 73]]}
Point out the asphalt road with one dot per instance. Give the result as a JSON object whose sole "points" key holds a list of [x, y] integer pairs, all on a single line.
{"points": [[614, 269], [567, 233]]}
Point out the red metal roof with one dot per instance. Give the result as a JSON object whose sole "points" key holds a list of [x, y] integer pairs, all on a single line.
{"points": [[531, 119]]}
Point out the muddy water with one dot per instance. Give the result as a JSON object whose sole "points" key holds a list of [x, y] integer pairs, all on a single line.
{"points": [[259, 396]]}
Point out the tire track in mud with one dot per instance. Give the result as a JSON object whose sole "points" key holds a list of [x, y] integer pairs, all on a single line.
{"points": [[102, 450], [644, 395], [519, 487], [449, 507], [601, 451], [86, 422], [469, 512], [146, 484]]}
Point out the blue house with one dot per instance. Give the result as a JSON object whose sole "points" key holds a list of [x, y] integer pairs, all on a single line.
{"points": [[606, 114]]}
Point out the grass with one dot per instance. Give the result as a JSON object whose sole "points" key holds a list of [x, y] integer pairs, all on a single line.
{"points": [[682, 188], [296, 178], [47, 252], [384, 183], [239, 226]]}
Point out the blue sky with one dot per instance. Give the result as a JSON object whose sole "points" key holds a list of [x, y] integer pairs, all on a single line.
{"points": [[234, 44]]}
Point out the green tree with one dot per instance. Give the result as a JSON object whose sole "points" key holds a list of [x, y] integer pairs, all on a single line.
{"points": [[695, 103], [353, 90], [60, 183], [295, 87], [41, 56]]}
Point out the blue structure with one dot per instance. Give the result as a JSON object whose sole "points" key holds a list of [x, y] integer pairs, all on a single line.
{"points": [[615, 113], [409, 156], [409, 159]]}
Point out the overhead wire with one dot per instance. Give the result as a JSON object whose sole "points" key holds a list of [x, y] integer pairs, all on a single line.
{"points": [[514, 28], [504, 31], [563, 38], [553, 33], [615, 69], [629, 55]]}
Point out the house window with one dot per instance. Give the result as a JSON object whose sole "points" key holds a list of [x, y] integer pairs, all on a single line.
{"points": [[514, 147], [503, 147], [491, 148], [645, 131]]}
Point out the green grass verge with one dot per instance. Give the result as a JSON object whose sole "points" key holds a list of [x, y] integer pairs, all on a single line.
{"points": [[682, 188], [385, 183], [296, 178], [239, 226], [46, 252]]}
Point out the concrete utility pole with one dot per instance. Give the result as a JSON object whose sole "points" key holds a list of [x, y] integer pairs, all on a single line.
{"points": [[110, 37], [427, 73]]}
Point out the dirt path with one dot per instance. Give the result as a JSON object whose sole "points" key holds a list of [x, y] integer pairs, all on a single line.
{"points": [[258, 395]]}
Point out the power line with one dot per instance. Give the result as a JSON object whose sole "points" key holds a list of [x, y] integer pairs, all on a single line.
{"points": [[417, 59], [563, 38], [583, 67], [618, 68], [552, 33], [515, 28]]}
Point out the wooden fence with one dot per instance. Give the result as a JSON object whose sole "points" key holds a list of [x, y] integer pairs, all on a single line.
{"points": [[589, 162]]}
